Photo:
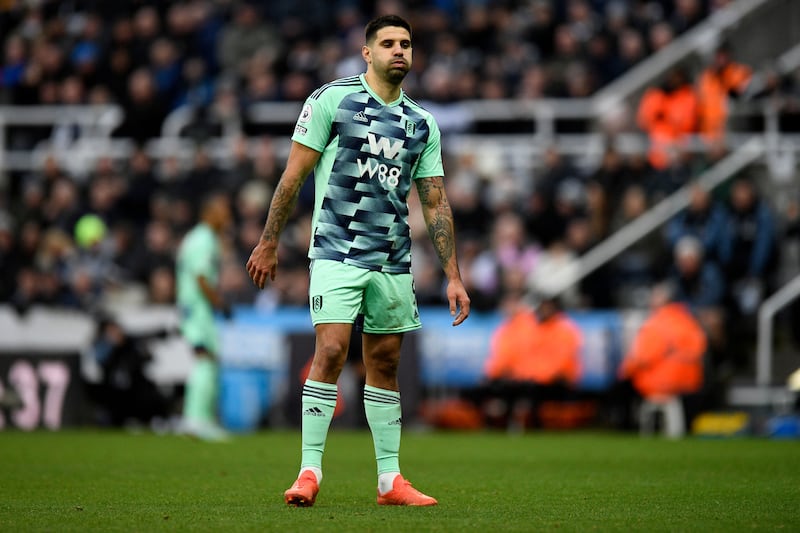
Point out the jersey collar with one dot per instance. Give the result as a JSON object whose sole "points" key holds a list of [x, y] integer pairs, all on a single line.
{"points": [[378, 98]]}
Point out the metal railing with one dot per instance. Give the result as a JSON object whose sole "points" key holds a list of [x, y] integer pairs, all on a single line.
{"points": [[93, 125], [766, 313], [543, 114]]}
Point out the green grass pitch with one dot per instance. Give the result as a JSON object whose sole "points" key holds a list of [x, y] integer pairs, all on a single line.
{"points": [[489, 482]]}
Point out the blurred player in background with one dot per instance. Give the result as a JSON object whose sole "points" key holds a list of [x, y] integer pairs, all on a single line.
{"points": [[366, 142], [198, 298]]}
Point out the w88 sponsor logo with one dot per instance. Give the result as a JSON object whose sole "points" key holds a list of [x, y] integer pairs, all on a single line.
{"points": [[390, 149], [387, 175]]}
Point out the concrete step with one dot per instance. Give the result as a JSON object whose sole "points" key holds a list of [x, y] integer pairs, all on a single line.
{"points": [[750, 395]]}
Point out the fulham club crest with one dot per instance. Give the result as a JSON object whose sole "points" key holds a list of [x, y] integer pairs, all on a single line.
{"points": [[316, 303]]}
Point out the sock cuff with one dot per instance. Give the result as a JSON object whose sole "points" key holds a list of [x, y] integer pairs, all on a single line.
{"points": [[380, 396], [325, 393]]}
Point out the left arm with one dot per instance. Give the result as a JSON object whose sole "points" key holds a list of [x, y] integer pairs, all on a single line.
{"points": [[439, 220]]}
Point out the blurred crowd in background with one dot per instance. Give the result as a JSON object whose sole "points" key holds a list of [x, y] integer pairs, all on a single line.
{"points": [[152, 57], [78, 241]]}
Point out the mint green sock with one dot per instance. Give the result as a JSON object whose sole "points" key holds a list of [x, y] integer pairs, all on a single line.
{"points": [[384, 416], [199, 402], [319, 402]]}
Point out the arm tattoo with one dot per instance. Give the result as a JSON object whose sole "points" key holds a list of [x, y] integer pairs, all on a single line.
{"points": [[440, 229], [438, 216], [280, 208]]}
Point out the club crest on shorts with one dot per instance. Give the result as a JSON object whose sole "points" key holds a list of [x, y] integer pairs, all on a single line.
{"points": [[316, 303]]}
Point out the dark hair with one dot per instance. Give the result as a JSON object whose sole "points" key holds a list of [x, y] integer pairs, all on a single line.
{"points": [[384, 22]]}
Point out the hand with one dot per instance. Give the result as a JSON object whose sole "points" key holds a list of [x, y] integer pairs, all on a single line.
{"points": [[459, 301], [263, 263]]}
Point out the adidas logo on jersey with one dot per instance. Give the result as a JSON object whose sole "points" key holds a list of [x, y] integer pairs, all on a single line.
{"points": [[360, 117], [398, 422], [313, 411]]}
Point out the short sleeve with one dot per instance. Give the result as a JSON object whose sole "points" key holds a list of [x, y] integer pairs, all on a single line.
{"points": [[313, 127], [201, 256], [430, 161]]}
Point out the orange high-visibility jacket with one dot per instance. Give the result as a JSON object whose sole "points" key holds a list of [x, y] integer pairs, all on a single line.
{"points": [[524, 349], [668, 118], [713, 90], [666, 357]]}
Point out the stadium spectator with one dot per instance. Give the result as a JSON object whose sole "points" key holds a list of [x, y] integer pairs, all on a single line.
{"points": [[196, 89], [668, 115], [62, 206], [14, 62], [146, 28], [686, 14], [700, 284], [165, 63], [554, 269], [631, 50], [534, 357], [155, 251], [558, 196], [636, 268], [596, 289], [138, 189], [720, 81], [466, 191], [161, 286], [510, 249], [604, 189], [750, 256], [749, 251], [482, 297], [125, 395], [91, 270], [704, 218], [145, 109], [665, 358], [247, 35]]}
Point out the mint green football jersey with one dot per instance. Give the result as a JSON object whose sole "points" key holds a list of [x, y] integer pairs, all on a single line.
{"points": [[371, 153], [199, 254]]}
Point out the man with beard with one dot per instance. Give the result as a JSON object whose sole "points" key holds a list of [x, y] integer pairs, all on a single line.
{"points": [[367, 143]]}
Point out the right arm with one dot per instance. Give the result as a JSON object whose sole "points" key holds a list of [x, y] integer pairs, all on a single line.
{"points": [[263, 260]]}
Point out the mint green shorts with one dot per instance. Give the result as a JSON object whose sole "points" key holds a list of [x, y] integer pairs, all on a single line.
{"points": [[339, 292], [199, 328]]}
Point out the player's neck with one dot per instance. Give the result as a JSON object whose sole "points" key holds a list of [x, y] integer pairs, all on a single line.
{"points": [[388, 92]]}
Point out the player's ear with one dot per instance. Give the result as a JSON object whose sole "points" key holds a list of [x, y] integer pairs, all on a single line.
{"points": [[366, 53]]}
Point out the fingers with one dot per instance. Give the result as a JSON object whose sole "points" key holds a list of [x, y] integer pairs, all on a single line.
{"points": [[260, 275], [463, 310], [461, 317]]}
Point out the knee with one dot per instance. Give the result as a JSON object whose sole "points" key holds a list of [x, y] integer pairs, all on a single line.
{"points": [[329, 359], [385, 366]]}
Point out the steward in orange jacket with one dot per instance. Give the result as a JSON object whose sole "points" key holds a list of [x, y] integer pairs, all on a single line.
{"points": [[666, 357], [668, 114], [543, 350], [720, 80]]}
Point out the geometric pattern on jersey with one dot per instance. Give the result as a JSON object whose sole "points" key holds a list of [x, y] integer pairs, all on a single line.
{"points": [[363, 216]]}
